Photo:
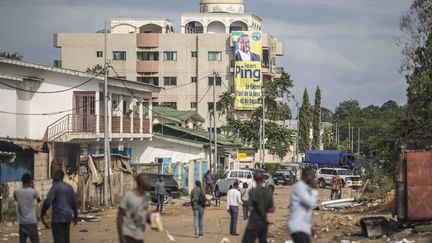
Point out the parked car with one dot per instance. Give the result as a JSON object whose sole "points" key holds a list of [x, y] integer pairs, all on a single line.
{"points": [[283, 177], [226, 182], [294, 168], [171, 186], [324, 176]]}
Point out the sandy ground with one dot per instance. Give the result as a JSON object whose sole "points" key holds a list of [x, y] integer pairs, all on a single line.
{"points": [[178, 221]]}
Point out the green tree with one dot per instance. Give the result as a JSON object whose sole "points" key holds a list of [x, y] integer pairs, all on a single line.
{"points": [[11, 55], [96, 69], [305, 123], [316, 121], [346, 108], [419, 105]]}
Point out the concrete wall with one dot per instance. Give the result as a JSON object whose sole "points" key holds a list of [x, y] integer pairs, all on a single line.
{"points": [[8, 95], [147, 151]]}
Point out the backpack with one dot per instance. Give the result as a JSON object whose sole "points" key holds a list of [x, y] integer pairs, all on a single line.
{"points": [[202, 200]]}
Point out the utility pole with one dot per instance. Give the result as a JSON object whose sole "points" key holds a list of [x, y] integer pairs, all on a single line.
{"points": [[263, 128], [337, 136], [107, 165], [352, 139], [349, 135], [358, 140], [215, 157], [260, 141], [211, 145], [297, 134]]}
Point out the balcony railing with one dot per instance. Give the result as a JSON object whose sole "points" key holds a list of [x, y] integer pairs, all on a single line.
{"points": [[79, 124]]}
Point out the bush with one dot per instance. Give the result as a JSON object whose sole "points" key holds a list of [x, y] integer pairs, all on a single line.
{"points": [[183, 192]]}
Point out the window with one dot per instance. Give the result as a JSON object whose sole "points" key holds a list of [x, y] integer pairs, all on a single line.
{"points": [[149, 80], [193, 79], [148, 56], [170, 56], [194, 54], [218, 81], [170, 81], [170, 104], [99, 54], [241, 174], [210, 106], [236, 28], [119, 55], [215, 56], [193, 105], [233, 174]]}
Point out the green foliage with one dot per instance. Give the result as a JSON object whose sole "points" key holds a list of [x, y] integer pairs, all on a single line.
{"points": [[316, 122], [96, 69], [305, 118], [328, 141], [11, 55], [346, 108], [278, 137]]}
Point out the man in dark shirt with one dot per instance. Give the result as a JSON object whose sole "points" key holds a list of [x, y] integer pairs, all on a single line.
{"points": [[64, 208], [260, 203]]}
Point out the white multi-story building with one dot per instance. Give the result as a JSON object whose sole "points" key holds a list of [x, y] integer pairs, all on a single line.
{"points": [[149, 51]]}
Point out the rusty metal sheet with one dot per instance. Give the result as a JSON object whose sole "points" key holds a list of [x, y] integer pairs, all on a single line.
{"points": [[419, 185]]}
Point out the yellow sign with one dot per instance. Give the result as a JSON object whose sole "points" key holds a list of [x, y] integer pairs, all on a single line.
{"points": [[241, 156], [247, 70]]}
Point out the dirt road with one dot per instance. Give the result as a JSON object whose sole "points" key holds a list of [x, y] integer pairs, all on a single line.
{"points": [[178, 221]]}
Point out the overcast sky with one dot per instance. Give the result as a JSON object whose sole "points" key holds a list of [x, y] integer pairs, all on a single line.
{"points": [[347, 47]]}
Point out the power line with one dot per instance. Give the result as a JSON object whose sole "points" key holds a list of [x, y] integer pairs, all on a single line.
{"points": [[186, 84], [54, 92], [44, 114]]}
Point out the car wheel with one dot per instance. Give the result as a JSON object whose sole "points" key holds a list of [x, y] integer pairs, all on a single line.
{"points": [[271, 188], [217, 192], [321, 183]]}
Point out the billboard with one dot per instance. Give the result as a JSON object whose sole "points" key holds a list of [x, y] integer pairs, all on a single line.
{"points": [[247, 69]]}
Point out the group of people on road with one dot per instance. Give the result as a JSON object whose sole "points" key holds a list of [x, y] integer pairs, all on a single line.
{"points": [[61, 197], [133, 213]]}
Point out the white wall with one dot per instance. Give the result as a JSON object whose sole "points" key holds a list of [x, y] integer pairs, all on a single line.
{"points": [[147, 151], [7, 98]]}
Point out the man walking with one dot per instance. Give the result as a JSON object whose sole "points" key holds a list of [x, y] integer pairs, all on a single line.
{"points": [[160, 194], [132, 215], [245, 198], [260, 203], [26, 197], [233, 203], [336, 186], [198, 202], [62, 198], [209, 182], [303, 199]]}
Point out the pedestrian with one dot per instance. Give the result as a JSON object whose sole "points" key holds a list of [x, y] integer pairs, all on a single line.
{"points": [[336, 186], [233, 203], [303, 199], [26, 197], [260, 203], [198, 202], [160, 194], [209, 182], [62, 199], [133, 212], [245, 198]]}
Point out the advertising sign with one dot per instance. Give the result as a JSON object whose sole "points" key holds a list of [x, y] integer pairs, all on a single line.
{"points": [[241, 156], [247, 69]]}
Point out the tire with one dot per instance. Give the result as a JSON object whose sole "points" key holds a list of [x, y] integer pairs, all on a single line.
{"points": [[321, 183], [271, 188], [217, 192]]}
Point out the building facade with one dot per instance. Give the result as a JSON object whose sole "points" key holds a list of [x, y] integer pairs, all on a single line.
{"points": [[61, 105], [149, 51]]}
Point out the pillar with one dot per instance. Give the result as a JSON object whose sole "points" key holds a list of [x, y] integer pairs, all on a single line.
{"points": [[98, 102], [141, 116], [121, 117]]}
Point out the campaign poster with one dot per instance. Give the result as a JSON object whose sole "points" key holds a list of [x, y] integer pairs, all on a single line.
{"points": [[247, 69]]}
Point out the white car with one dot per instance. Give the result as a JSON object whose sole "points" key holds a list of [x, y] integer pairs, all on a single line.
{"points": [[226, 182], [324, 176]]}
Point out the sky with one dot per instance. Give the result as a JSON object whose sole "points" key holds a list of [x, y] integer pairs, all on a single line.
{"points": [[347, 47]]}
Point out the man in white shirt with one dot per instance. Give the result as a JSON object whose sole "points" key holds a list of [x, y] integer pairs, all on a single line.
{"points": [[303, 199], [233, 203]]}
